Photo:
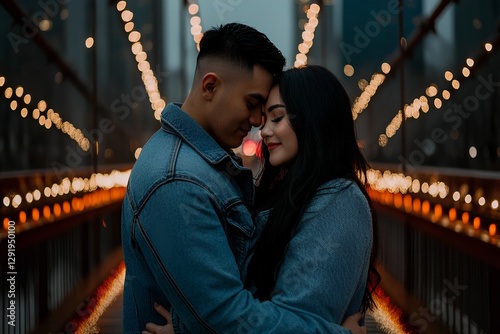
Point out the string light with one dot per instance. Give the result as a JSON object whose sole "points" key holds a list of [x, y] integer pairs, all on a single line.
{"points": [[75, 185], [386, 68], [394, 189], [148, 77], [348, 70], [46, 120], [361, 102], [195, 21], [308, 37], [413, 110], [89, 42]]}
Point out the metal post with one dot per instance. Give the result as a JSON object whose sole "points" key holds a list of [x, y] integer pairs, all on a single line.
{"points": [[94, 143]]}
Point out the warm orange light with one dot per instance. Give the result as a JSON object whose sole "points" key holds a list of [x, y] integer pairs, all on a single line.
{"points": [[426, 207], [46, 212], [465, 217], [493, 229], [35, 214], [66, 207], [57, 210], [22, 217], [86, 200], [74, 203], [417, 204], [6, 223], [398, 200], [407, 202], [438, 211], [477, 223], [453, 214]]}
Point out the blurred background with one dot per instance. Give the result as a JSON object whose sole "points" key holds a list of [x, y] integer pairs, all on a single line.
{"points": [[82, 85]]}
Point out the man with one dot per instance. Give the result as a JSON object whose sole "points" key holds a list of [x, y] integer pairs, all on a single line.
{"points": [[186, 224]]}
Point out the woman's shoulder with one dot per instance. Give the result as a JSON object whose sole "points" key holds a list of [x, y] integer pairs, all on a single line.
{"points": [[339, 186], [339, 197]]}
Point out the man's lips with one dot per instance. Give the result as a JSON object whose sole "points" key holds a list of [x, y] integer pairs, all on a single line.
{"points": [[272, 146]]}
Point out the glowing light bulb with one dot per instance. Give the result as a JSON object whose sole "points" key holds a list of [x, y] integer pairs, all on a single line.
{"points": [[127, 15], [386, 68], [89, 42], [348, 70], [468, 198], [193, 9], [121, 5], [19, 91]]}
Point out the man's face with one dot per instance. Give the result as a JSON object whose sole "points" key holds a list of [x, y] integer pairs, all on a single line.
{"points": [[237, 106]]}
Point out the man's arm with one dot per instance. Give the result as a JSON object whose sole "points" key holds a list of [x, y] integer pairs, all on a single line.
{"points": [[186, 247]]}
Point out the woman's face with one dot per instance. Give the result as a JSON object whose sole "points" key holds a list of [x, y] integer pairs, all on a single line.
{"points": [[277, 133]]}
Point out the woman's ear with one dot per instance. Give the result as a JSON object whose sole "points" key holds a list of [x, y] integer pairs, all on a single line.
{"points": [[209, 83]]}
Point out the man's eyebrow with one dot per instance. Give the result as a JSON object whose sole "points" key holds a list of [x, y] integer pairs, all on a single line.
{"points": [[258, 97], [275, 106]]}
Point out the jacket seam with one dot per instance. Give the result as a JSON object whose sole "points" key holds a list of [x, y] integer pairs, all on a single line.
{"points": [[172, 281], [173, 158]]}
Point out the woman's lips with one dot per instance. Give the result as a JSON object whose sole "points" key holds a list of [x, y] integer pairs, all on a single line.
{"points": [[272, 146]]}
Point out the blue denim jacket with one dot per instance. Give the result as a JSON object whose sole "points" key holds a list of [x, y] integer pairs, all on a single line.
{"points": [[326, 263], [186, 234]]}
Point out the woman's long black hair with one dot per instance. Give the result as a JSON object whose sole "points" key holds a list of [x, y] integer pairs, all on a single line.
{"points": [[319, 110]]}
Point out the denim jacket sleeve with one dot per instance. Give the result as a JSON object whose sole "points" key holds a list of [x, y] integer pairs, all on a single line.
{"points": [[185, 246], [326, 264]]}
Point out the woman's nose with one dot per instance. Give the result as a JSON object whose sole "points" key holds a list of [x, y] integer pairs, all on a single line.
{"points": [[266, 130]]}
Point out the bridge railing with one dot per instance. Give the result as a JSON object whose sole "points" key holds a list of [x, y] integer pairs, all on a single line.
{"points": [[60, 240], [440, 252]]}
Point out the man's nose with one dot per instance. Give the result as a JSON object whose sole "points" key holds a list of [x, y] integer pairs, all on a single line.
{"points": [[256, 118]]}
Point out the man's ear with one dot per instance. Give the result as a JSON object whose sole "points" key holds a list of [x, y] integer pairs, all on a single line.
{"points": [[209, 84]]}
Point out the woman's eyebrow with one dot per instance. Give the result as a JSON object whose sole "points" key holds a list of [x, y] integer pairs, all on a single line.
{"points": [[275, 106]]}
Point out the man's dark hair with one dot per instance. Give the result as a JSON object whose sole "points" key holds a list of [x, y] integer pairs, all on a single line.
{"points": [[241, 45]]}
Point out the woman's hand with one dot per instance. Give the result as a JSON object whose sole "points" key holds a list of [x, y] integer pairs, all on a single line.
{"points": [[352, 324], [157, 329]]}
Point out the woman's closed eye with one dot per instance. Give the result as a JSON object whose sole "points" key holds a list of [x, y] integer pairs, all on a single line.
{"points": [[277, 119]]}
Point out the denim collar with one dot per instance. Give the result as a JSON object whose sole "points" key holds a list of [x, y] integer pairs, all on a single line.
{"points": [[174, 119]]}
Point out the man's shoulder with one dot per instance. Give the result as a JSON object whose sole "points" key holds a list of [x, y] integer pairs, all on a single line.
{"points": [[168, 158]]}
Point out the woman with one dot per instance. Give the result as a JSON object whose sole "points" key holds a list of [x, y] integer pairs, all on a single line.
{"points": [[314, 253]]}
